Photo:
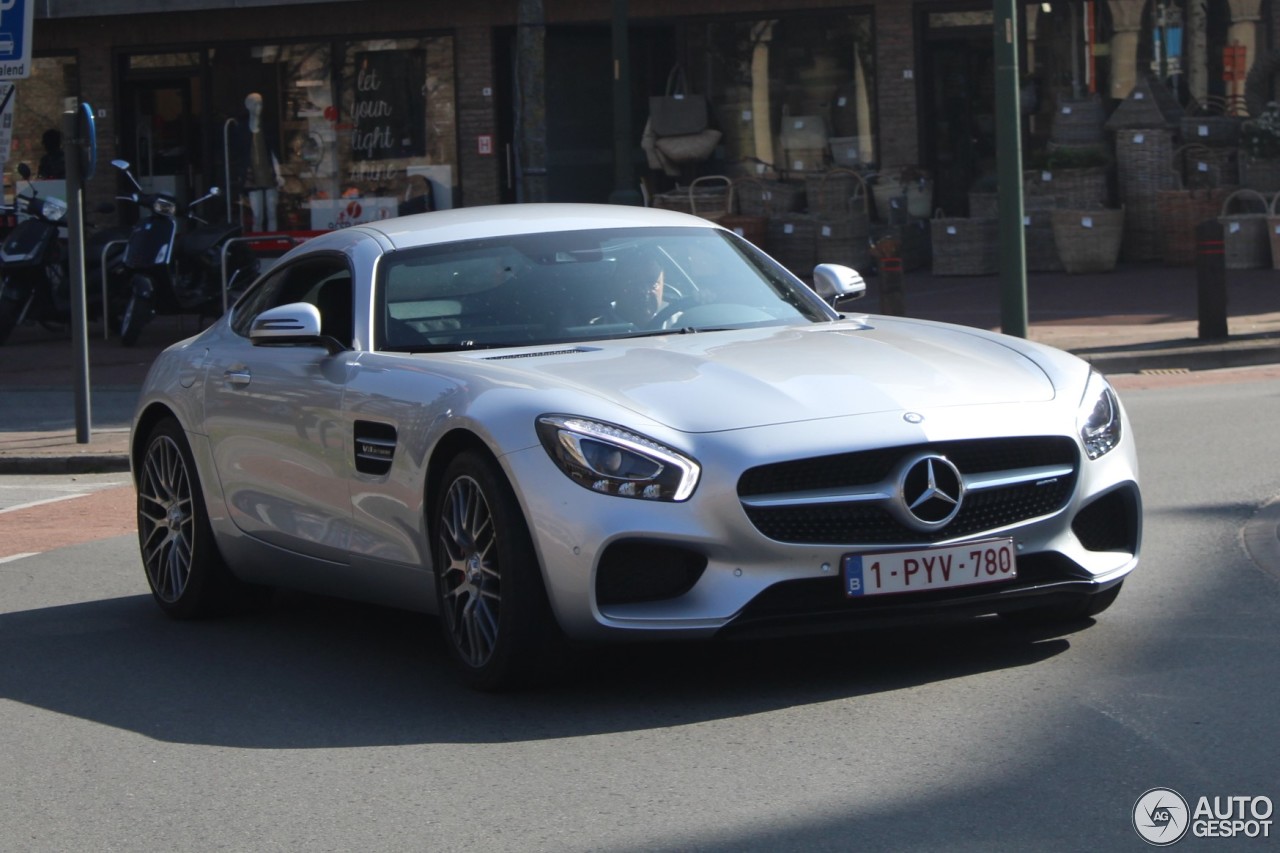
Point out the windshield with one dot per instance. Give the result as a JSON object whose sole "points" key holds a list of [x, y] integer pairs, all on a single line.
{"points": [[569, 286]]}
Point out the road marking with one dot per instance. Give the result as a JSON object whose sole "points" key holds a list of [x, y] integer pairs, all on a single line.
{"points": [[43, 502], [13, 557]]}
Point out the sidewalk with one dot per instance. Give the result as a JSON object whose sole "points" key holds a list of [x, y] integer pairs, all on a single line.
{"points": [[1137, 318]]}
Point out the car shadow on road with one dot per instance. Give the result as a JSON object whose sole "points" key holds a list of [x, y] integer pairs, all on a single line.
{"points": [[312, 672]]}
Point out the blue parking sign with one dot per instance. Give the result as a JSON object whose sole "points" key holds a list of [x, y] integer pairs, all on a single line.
{"points": [[15, 38]]}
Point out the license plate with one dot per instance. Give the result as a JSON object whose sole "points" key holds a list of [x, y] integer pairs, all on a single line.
{"points": [[930, 568]]}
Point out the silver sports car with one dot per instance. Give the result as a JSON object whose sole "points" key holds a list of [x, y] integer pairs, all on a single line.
{"points": [[551, 422]]}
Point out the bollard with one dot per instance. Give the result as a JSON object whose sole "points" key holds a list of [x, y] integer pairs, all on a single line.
{"points": [[1211, 279], [891, 299]]}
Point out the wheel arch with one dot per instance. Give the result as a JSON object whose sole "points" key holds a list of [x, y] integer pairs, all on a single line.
{"points": [[142, 427]]}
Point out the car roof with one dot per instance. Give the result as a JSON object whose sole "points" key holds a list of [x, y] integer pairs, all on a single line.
{"points": [[472, 223]]}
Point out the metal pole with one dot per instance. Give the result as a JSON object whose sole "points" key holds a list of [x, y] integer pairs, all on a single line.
{"points": [[75, 246], [1013, 248]]}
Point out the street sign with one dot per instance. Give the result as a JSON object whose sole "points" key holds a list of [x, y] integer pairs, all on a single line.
{"points": [[15, 38]]}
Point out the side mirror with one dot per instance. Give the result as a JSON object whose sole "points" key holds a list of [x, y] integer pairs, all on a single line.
{"points": [[295, 324], [837, 283]]}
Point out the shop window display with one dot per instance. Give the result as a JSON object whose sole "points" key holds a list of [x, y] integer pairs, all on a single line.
{"points": [[34, 134], [792, 94], [348, 133]]}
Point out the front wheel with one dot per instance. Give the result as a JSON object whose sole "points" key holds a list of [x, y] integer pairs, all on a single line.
{"points": [[137, 314], [493, 607], [184, 568]]}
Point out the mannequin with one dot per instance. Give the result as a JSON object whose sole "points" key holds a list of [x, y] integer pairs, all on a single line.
{"points": [[262, 179]]}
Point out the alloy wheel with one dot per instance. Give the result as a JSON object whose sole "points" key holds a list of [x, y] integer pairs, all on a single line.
{"points": [[470, 574], [166, 518]]}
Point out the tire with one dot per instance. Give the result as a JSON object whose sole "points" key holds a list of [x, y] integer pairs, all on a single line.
{"points": [[493, 608], [137, 314], [1086, 607], [185, 571]]}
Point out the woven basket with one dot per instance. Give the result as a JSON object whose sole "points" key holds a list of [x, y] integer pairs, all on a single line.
{"points": [[1199, 166], [1088, 241], [965, 246], [1258, 174], [1180, 211], [806, 159], [685, 199], [1246, 241], [1078, 123], [750, 227], [1142, 162], [1211, 124], [1072, 188], [1041, 250], [843, 236], [830, 193], [759, 197], [713, 203], [791, 240]]}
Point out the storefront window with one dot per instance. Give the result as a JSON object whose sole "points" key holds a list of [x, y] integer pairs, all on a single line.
{"points": [[343, 133], [33, 134], [794, 93]]}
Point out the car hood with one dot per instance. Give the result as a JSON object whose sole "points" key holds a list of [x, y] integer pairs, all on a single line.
{"points": [[711, 381]]}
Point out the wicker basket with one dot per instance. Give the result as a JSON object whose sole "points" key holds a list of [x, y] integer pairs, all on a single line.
{"points": [[713, 203], [1078, 123], [1211, 124], [750, 227], [843, 234], [759, 197], [791, 240], [1072, 188], [1088, 241], [1180, 212], [965, 246], [1199, 166], [806, 159], [1142, 167], [1246, 241], [685, 199], [845, 150], [830, 193]]}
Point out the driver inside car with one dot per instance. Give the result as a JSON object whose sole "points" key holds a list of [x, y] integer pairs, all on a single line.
{"points": [[639, 299]]}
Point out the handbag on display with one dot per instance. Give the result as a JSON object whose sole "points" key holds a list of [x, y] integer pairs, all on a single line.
{"points": [[689, 147], [677, 113]]}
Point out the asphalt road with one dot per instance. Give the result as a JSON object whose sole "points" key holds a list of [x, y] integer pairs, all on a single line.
{"points": [[320, 725]]}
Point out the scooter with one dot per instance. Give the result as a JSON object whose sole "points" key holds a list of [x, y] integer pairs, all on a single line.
{"points": [[178, 273], [35, 280]]}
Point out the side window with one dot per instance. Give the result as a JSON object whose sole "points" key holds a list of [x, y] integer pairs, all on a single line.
{"points": [[323, 282]]}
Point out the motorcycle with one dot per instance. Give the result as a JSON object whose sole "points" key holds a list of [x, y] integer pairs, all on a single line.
{"points": [[176, 271], [35, 276]]}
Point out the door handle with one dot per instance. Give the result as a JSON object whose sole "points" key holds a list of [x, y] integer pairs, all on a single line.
{"points": [[239, 378]]}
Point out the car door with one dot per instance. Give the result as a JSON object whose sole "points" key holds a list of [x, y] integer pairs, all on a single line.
{"points": [[273, 415]]}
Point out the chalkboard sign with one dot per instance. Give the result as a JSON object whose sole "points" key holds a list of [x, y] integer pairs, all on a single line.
{"points": [[390, 105]]}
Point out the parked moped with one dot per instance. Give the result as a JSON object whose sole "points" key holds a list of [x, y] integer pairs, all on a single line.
{"points": [[35, 279], [174, 270]]}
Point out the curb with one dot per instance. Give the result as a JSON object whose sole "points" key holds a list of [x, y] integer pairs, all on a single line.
{"points": [[98, 463]]}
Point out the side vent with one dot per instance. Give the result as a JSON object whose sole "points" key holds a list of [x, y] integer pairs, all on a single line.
{"points": [[375, 447]]}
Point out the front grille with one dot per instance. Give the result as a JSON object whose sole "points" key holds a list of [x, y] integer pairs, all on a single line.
{"points": [[1110, 523], [870, 522]]}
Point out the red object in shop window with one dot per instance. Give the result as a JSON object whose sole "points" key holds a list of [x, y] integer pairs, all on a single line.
{"points": [[1234, 57]]}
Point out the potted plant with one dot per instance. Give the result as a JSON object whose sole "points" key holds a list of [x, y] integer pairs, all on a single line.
{"points": [[1260, 151]]}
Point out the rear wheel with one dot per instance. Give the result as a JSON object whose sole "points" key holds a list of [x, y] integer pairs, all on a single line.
{"points": [[137, 314], [493, 607], [184, 568]]}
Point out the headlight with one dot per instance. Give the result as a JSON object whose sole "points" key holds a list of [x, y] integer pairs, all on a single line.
{"points": [[164, 207], [54, 209], [1099, 417], [613, 461]]}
